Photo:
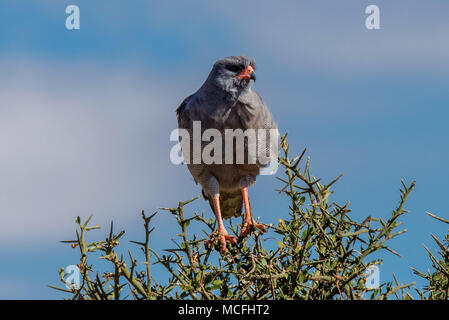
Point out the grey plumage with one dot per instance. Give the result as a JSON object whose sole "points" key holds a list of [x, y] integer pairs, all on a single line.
{"points": [[225, 102]]}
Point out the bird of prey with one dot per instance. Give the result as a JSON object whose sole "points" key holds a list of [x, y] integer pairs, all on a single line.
{"points": [[227, 101]]}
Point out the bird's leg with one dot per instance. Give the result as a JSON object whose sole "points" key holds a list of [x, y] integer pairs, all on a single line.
{"points": [[223, 233], [249, 224]]}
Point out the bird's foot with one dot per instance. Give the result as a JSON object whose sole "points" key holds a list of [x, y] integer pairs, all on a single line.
{"points": [[251, 225], [223, 236]]}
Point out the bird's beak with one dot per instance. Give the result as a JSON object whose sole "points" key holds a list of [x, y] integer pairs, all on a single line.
{"points": [[247, 74]]}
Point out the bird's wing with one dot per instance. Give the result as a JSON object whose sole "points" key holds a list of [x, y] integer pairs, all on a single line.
{"points": [[254, 114], [183, 117], [186, 115]]}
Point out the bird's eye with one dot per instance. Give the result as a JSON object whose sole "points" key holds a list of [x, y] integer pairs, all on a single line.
{"points": [[233, 68]]}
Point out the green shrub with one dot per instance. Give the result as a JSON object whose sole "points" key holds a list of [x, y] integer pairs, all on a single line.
{"points": [[317, 251]]}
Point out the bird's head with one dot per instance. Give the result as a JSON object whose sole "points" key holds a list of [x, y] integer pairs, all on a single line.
{"points": [[233, 74]]}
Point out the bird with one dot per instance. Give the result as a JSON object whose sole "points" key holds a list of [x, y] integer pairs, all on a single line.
{"points": [[227, 101]]}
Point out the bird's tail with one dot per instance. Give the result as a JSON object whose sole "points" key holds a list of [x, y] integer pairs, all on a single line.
{"points": [[230, 203]]}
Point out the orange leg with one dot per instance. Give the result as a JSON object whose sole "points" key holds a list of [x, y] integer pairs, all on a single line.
{"points": [[224, 236], [249, 224]]}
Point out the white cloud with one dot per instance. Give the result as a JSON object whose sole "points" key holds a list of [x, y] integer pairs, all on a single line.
{"points": [[81, 140]]}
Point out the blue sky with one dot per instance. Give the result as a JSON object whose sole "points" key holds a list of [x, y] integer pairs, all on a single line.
{"points": [[85, 115]]}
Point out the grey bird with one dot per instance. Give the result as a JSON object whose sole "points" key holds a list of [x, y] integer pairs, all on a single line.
{"points": [[226, 100]]}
